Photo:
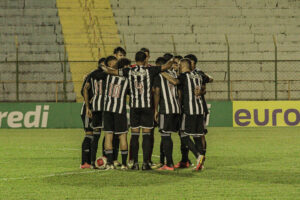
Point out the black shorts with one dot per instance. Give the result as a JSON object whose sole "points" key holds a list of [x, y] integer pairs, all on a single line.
{"points": [[97, 119], [85, 120], [115, 123], [169, 123], [192, 125], [141, 118]]}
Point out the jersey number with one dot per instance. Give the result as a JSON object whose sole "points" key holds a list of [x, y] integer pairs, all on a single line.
{"points": [[139, 86], [98, 87], [114, 90]]}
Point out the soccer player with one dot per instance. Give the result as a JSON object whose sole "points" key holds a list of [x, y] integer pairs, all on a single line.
{"points": [[119, 53], [190, 89], [98, 83], [167, 56], [141, 105], [114, 116], [86, 118], [168, 116], [206, 79]]}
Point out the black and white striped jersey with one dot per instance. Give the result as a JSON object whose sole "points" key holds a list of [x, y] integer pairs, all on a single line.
{"points": [[205, 80], [140, 84], [97, 80], [192, 104], [90, 90], [116, 90], [169, 102], [204, 76]]}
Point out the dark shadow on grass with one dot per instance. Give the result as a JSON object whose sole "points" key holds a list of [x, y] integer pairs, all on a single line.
{"points": [[119, 178], [214, 162], [261, 176]]}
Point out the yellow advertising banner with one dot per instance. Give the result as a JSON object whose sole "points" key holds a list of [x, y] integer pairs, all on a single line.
{"points": [[266, 113]]}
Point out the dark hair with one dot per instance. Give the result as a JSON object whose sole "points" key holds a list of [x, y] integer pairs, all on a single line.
{"points": [[192, 57], [145, 50], [140, 56], [188, 61], [119, 49], [168, 56], [123, 62], [109, 58], [160, 61], [178, 57], [101, 60]]}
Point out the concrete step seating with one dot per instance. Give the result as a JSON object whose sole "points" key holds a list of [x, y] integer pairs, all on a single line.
{"points": [[37, 26], [38, 96], [200, 26]]}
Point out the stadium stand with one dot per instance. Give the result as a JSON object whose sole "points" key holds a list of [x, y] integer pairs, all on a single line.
{"points": [[89, 29], [90, 32], [36, 26], [249, 25]]}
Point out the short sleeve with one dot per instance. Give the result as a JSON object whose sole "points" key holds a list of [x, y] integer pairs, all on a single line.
{"points": [[156, 83], [98, 74], [124, 72], [154, 70], [205, 78]]}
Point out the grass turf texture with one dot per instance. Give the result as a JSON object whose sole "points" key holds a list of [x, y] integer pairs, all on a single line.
{"points": [[242, 163]]}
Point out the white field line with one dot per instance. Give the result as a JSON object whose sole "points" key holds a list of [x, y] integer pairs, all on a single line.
{"points": [[48, 175]]}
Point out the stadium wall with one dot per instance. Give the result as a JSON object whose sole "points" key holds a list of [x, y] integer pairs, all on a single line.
{"points": [[66, 115], [222, 114]]}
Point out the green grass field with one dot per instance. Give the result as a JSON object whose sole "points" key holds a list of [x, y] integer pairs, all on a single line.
{"points": [[242, 163]]}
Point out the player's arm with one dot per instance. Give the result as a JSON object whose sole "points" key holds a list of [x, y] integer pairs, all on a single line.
{"points": [[168, 65], [171, 79], [207, 78], [156, 102], [110, 71], [86, 99], [199, 91]]}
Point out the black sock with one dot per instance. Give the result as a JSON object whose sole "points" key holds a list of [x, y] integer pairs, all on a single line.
{"points": [[146, 147], [109, 154], [152, 144], [191, 146], [134, 147], [168, 149], [116, 144], [199, 145], [85, 149], [103, 147], [162, 154], [184, 151], [94, 148], [124, 154]]}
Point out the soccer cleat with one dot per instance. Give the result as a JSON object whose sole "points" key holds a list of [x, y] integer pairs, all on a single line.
{"points": [[146, 166], [117, 163], [165, 167], [135, 166], [156, 166], [130, 163], [182, 165], [124, 167], [85, 166], [109, 167], [200, 163]]}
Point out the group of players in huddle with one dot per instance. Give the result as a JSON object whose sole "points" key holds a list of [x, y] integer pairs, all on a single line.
{"points": [[169, 95]]}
